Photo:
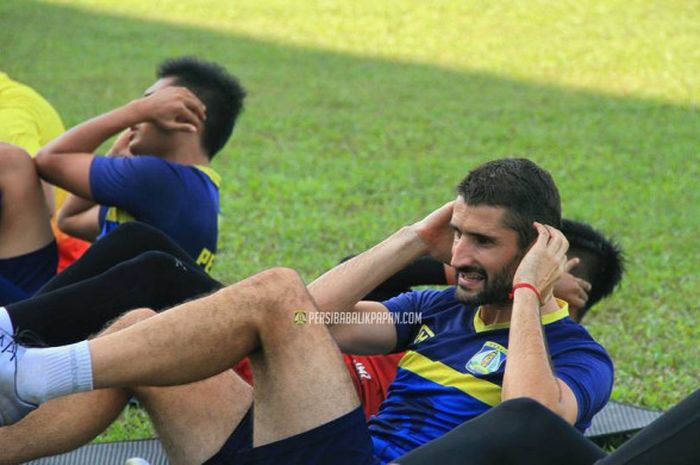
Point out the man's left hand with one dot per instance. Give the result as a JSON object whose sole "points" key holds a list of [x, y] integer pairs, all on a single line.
{"points": [[544, 262]]}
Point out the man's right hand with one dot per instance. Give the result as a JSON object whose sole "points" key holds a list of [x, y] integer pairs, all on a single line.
{"points": [[173, 108], [434, 230]]}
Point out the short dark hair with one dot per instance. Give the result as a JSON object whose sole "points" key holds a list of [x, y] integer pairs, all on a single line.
{"points": [[609, 263], [220, 92], [525, 190]]}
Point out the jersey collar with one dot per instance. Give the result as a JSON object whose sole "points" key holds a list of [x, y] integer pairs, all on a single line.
{"points": [[563, 312], [211, 174]]}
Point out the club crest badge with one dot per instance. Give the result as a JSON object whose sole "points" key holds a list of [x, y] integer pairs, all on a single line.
{"points": [[488, 360]]}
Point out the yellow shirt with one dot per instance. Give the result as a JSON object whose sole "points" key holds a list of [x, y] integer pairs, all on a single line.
{"points": [[27, 120]]}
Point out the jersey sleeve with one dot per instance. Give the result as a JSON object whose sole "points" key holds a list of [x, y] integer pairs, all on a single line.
{"points": [[588, 371], [408, 311], [133, 184]]}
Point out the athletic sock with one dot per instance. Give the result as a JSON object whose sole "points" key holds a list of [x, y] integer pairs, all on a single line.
{"points": [[44, 374], [6, 322]]}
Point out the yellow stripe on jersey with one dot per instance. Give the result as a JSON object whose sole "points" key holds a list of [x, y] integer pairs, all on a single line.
{"points": [[118, 216], [444, 375], [211, 174], [563, 312]]}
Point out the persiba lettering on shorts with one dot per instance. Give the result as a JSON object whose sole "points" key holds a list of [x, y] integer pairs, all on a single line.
{"points": [[302, 317]]}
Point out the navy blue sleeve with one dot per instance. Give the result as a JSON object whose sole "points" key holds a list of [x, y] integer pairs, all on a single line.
{"points": [[134, 184], [588, 371], [418, 302]]}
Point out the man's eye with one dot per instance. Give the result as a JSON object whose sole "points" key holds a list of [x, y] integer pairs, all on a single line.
{"points": [[457, 234], [483, 240]]}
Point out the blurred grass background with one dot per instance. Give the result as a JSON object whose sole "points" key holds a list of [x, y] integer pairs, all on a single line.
{"points": [[362, 116]]}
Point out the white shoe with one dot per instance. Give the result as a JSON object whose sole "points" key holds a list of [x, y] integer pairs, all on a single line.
{"points": [[136, 461], [12, 408]]}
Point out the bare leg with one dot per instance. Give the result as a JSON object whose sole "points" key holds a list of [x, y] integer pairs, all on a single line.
{"points": [[194, 421], [60, 425], [24, 217], [205, 337], [69, 422]]}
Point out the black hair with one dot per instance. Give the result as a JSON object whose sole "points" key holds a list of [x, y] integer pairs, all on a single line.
{"points": [[525, 190], [218, 90], [606, 272]]}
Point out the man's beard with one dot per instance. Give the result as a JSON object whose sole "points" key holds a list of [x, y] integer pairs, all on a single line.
{"points": [[496, 289]]}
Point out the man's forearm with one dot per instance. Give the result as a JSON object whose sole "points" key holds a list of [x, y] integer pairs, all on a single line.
{"points": [[79, 218], [528, 369], [88, 136], [343, 286]]}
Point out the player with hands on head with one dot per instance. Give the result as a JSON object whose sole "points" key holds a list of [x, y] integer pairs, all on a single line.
{"points": [[164, 109], [528, 373], [172, 133], [594, 270]]}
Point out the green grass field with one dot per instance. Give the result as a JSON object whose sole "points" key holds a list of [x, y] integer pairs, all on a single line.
{"points": [[363, 115]]}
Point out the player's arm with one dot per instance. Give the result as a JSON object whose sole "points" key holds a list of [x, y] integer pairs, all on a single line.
{"points": [[80, 218], [529, 370], [66, 160], [340, 289]]}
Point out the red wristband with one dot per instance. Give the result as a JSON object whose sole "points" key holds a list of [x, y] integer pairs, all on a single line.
{"points": [[527, 286]]}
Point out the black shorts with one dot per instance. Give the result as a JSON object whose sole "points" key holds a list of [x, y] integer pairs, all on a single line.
{"points": [[343, 441], [25, 274]]}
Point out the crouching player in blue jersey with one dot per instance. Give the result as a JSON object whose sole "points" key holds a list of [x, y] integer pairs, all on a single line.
{"points": [[185, 118], [173, 132], [468, 348]]}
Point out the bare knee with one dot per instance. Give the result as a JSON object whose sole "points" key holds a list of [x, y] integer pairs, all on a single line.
{"points": [[280, 282], [129, 318], [279, 289], [271, 294], [14, 158]]}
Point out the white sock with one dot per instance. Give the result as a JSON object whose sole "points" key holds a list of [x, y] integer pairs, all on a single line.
{"points": [[6, 322], [44, 374]]}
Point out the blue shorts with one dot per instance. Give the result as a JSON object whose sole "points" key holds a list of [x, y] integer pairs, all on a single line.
{"points": [[343, 441], [27, 273]]}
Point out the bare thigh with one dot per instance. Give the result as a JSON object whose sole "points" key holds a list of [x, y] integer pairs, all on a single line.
{"points": [[24, 217], [194, 420], [300, 378]]}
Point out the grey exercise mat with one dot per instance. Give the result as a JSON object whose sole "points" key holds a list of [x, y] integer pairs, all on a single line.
{"points": [[615, 418], [110, 453]]}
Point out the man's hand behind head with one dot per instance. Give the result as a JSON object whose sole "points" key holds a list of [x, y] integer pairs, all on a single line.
{"points": [[435, 231], [174, 108], [544, 262], [572, 289]]}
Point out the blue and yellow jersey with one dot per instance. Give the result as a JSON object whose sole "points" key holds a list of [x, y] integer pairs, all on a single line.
{"points": [[453, 369], [180, 200]]}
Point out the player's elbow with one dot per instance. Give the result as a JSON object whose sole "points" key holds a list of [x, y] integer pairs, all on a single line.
{"points": [[74, 225], [551, 398], [45, 161], [63, 221]]}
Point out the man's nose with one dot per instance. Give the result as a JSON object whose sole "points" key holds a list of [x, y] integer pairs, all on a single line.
{"points": [[462, 253]]}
